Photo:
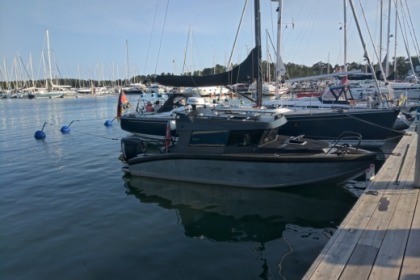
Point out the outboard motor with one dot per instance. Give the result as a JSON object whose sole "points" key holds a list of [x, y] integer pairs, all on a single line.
{"points": [[131, 146]]}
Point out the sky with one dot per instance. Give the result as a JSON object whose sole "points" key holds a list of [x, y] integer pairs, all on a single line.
{"points": [[103, 39]]}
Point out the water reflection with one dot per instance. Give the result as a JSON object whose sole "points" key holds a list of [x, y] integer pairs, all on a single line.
{"points": [[288, 228], [237, 214]]}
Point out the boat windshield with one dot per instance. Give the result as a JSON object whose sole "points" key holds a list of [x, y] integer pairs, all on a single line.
{"points": [[228, 138], [209, 138]]}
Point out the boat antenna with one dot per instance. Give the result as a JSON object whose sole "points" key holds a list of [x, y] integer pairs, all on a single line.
{"points": [[258, 46]]}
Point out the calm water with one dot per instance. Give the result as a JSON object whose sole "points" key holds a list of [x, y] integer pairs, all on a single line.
{"points": [[67, 212]]}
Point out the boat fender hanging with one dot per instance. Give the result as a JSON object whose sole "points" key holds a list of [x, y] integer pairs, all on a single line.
{"points": [[40, 134]]}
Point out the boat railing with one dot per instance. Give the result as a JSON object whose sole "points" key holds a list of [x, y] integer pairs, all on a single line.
{"points": [[340, 142]]}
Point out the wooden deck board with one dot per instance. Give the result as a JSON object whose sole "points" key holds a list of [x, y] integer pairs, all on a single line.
{"points": [[379, 237], [411, 262], [360, 263]]}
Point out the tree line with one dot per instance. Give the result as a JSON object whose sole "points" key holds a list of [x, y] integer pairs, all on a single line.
{"points": [[293, 71]]}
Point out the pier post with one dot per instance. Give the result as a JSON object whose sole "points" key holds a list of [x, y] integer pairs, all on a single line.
{"points": [[417, 165]]}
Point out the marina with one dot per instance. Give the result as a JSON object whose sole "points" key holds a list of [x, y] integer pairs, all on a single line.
{"points": [[247, 169], [69, 204]]}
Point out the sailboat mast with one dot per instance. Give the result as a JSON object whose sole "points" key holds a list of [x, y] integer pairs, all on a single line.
{"points": [[345, 35], [387, 40], [279, 62], [258, 46], [395, 39], [128, 64], [380, 31], [49, 59]]}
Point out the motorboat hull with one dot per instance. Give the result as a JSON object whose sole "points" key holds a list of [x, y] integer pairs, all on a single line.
{"points": [[252, 171]]}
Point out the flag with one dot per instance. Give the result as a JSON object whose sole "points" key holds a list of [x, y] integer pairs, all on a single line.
{"points": [[168, 136], [123, 104]]}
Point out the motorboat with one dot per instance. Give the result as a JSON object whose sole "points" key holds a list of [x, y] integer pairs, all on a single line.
{"points": [[151, 126], [242, 149]]}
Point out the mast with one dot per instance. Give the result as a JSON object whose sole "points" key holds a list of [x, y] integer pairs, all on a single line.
{"points": [[280, 69], [49, 60], [395, 39], [345, 35], [387, 40], [5, 73], [128, 64], [267, 66], [380, 31], [258, 46]]}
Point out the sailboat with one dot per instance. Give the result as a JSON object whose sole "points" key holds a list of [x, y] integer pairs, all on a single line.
{"points": [[375, 125], [51, 90], [242, 149]]}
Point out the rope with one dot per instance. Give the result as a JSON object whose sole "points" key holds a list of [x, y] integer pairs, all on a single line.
{"points": [[383, 127], [87, 133]]}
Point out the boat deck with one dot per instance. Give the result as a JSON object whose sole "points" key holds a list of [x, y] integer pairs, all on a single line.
{"points": [[380, 237]]}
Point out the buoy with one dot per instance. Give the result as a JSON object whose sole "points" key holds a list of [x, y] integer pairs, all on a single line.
{"points": [[108, 122], [40, 134], [66, 128]]}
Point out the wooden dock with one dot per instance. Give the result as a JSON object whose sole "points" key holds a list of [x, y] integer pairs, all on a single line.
{"points": [[380, 237]]}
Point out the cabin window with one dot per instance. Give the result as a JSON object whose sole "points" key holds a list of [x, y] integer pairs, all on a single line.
{"points": [[244, 138], [209, 138], [269, 135]]}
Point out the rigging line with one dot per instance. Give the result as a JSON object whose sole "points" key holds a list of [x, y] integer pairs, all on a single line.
{"points": [[380, 126], [403, 31], [161, 35], [186, 51], [151, 35], [237, 33], [415, 41], [373, 44]]}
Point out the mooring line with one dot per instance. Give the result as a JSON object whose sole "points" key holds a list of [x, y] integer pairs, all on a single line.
{"points": [[380, 126]]}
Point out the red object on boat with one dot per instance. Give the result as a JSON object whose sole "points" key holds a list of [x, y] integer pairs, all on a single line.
{"points": [[308, 94], [168, 136]]}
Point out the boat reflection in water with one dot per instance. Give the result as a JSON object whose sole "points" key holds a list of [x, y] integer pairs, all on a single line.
{"points": [[284, 229]]}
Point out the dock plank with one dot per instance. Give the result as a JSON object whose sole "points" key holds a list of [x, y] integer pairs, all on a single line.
{"points": [[390, 256], [379, 236], [360, 263], [411, 263]]}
